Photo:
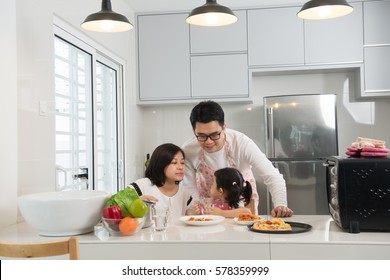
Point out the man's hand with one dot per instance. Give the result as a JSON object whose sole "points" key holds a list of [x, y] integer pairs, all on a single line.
{"points": [[282, 211]]}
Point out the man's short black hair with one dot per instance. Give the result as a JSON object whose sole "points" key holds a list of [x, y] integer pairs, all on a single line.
{"points": [[207, 111]]}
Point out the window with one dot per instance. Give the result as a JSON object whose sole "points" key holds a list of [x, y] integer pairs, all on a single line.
{"points": [[88, 94]]}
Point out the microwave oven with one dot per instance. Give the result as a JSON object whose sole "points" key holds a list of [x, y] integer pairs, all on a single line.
{"points": [[358, 192]]}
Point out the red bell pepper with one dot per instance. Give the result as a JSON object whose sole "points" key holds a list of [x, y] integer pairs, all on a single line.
{"points": [[112, 212]]}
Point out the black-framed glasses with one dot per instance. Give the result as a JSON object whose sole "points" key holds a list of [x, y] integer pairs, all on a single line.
{"points": [[212, 136]]}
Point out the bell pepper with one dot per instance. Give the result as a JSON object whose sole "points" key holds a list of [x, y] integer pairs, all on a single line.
{"points": [[112, 212]]}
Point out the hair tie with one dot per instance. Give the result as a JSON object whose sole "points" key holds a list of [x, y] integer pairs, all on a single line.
{"points": [[234, 183]]}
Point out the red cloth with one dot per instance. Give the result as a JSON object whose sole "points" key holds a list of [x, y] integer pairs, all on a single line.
{"points": [[367, 152], [376, 150], [373, 154]]}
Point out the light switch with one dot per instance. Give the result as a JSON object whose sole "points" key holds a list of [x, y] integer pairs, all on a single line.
{"points": [[42, 108]]}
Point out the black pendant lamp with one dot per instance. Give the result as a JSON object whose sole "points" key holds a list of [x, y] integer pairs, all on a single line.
{"points": [[324, 9], [211, 14], [106, 20]]}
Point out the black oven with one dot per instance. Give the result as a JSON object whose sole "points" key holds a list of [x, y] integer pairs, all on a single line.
{"points": [[358, 192]]}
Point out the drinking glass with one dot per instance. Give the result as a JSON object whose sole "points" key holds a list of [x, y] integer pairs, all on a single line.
{"points": [[160, 218]]}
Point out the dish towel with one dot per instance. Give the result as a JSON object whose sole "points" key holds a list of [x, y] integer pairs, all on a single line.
{"points": [[367, 147]]}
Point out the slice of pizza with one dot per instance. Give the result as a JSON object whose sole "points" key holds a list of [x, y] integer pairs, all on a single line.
{"points": [[275, 224]]}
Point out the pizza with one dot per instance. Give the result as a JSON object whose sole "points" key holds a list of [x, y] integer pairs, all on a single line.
{"points": [[193, 219], [275, 224], [247, 217]]}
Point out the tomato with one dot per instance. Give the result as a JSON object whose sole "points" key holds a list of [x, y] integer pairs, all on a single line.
{"points": [[138, 208], [128, 225]]}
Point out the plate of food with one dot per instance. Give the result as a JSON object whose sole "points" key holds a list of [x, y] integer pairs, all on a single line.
{"points": [[279, 226], [202, 220], [246, 219]]}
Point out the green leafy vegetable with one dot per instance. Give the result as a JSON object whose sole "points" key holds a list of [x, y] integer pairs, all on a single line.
{"points": [[123, 199]]}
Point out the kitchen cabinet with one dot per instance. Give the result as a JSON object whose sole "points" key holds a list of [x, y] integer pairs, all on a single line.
{"points": [[334, 41], [275, 37], [219, 76], [179, 63], [376, 71], [163, 57], [278, 38], [221, 39], [376, 23], [376, 49], [219, 61]]}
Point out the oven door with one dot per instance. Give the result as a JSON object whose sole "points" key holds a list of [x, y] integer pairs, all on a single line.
{"points": [[332, 189]]}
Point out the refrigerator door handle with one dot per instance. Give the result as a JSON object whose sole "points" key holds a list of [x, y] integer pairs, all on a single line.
{"points": [[270, 133]]}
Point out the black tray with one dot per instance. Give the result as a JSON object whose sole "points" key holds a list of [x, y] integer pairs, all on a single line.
{"points": [[295, 228]]}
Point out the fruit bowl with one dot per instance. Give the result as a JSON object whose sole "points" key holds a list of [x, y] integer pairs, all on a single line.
{"points": [[124, 226]]}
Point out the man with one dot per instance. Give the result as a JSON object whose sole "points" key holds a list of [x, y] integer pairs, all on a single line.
{"points": [[214, 147]]}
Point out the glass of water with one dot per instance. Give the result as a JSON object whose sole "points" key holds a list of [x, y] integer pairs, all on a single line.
{"points": [[160, 216]]}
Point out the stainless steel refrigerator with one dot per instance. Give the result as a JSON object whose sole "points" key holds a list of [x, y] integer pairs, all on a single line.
{"points": [[301, 130]]}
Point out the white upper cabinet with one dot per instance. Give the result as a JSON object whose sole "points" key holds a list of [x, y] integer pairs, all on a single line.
{"points": [[219, 61], [376, 71], [376, 49], [163, 57], [220, 76], [229, 38], [338, 40], [182, 63], [377, 22], [275, 37]]}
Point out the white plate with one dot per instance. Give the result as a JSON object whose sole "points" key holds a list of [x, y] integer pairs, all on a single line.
{"points": [[244, 223], [214, 220]]}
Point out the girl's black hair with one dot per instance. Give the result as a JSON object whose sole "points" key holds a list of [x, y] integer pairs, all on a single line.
{"points": [[161, 157], [234, 186]]}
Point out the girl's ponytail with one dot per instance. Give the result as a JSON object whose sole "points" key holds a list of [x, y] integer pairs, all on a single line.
{"points": [[247, 192]]}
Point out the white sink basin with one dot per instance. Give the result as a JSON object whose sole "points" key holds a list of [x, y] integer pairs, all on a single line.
{"points": [[63, 213]]}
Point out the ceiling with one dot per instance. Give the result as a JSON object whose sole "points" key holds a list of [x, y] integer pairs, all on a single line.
{"points": [[186, 5]]}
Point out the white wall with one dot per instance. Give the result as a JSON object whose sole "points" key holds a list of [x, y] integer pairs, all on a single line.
{"points": [[28, 159], [8, 116]]}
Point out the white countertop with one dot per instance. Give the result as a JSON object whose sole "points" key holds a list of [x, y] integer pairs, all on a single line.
{"points": [[227, 240]]}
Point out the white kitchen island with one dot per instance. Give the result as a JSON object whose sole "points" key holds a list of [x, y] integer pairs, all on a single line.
{"points": [[227, 240]]}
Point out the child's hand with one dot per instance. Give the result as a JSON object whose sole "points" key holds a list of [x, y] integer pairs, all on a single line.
{"points": [[148, 198], [197, 208], [216, 211]]}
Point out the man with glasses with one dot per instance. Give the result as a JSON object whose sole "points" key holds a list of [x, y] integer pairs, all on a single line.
{"points": [[215, 147]]}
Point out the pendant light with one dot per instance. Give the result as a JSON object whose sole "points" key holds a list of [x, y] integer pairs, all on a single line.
{"points": [[211, 14], [106, 20], [324, 9]]}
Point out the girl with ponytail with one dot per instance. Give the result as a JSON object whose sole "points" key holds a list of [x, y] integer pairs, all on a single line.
{"points": [[230, 193]]}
